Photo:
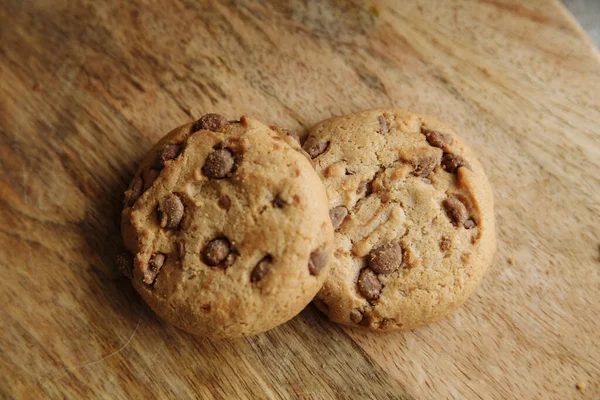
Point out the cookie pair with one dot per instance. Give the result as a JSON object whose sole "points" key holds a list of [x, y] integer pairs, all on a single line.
{"points": [[232, 228]]}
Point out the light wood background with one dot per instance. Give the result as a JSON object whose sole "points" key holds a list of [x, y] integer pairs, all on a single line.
{"points": [[87, 86]]}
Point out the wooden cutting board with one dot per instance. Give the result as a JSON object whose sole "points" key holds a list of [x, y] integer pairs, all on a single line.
{"points": [[86, 87]]}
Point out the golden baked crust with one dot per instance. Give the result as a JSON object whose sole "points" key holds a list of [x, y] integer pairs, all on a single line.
{"points": [[229, 226], [414, 219]]}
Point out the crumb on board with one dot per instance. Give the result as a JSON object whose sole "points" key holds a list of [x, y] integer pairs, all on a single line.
{"points": [[511, 260], [580, 386]]}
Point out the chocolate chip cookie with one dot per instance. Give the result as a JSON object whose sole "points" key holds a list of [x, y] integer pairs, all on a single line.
{"points": [[228, 228], [413, 216]]}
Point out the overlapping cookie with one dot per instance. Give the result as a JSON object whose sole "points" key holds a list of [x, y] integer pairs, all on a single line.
{"points": [[228, 228], [413, 214]]}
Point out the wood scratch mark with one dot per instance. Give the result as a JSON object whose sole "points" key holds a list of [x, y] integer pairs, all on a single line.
{"points": [[74, 367]]}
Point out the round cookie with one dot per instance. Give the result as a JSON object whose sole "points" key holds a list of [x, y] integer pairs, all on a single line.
{"points": [[413, 214], [229, 226]]}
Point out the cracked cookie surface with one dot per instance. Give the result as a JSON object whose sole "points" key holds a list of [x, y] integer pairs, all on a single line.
{"points": [[227, 227], [413, 216]]}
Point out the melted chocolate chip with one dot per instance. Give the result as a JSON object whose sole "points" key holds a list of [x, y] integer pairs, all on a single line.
{"points": [[456, 211], [317, 261], [171, 211], [317, 149], [385, 259], [369, 285], [261, 269], [167, 153], [424, 165], [356, 316], [217, 252], [451, 162], [210, 122], [218, 164], [437, 139]]}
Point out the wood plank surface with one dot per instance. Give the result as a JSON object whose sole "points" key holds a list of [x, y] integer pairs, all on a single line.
{"points": [[87, 86]]}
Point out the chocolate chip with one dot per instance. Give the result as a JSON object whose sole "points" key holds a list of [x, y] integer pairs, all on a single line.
{"points": [[383, 125], [356, 316], [168, 152], [369, 285], [224, 202], [317, 261], [279, 202], [317, 149], [181, 249], [321, 305], [366, 321], [218, 164], [385, 259], [210, 122], [134, 192], [451, 162], [337, 216], [261, 269], [456, 211], [125, 264], [437, 139], [424, 165], [445, 244], [216, 251], [154, 265], [171, 211], [470, 224]]}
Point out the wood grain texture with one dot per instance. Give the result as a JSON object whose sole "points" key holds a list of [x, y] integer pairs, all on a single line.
{"points": [[86, 87]]}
